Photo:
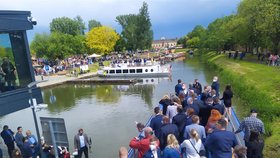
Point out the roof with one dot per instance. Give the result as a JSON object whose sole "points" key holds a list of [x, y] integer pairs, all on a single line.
{"points": [[15, 20], [165, 41]]}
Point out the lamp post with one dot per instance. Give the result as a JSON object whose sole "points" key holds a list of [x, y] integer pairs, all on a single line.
{"points": [[30, 85]]}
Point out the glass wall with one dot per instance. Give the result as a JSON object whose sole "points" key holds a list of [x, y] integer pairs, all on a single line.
{"points": [[14, 67]]}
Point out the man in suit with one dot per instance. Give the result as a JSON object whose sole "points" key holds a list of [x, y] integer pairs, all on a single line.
{"points": [[167, 128], [156, 122], [154, 151], [81, 143], [180, 121], [178, 87], [8, 137]]}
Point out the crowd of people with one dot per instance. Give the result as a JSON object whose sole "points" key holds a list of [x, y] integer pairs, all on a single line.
{"points": [[27, 146], [193, 124]]}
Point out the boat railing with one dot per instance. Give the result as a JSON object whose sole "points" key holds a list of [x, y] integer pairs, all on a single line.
{"points": [[120, 65], [131, 151]]}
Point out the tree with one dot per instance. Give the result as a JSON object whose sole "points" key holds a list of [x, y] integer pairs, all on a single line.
{"points": [[129, 32], [193, 42], [40, 44], [93, 23], [102, 39], [137, 32], [144, 31], [67, 26], [268, 22], [78, 19], [58, 45], [120, 45]]}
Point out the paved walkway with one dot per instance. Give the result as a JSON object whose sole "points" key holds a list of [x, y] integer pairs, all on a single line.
{"points": [[60, 79]]}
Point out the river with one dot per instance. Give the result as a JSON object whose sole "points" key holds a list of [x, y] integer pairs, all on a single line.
{"points": [[107, 113]]}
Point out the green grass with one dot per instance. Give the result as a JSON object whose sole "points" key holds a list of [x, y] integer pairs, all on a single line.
{"points": [[93, 67], [258, 86], [180, 50]]}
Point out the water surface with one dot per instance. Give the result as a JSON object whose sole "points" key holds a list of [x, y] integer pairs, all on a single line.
{"points": [[107, 113]]}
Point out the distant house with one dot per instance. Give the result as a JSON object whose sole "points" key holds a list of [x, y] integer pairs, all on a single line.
{"points": [[164, 43]]}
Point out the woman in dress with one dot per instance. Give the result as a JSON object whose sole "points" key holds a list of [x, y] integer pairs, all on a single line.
{"points": [[227, 96]]}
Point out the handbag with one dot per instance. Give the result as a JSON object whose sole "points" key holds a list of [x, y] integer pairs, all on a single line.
{"points": [[201, 153]]}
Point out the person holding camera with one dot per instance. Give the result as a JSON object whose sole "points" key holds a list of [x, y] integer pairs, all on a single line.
{"points": [[143, 145]]}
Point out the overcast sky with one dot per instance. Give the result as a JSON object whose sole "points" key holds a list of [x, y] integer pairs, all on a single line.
{"points": [[170, 18]]}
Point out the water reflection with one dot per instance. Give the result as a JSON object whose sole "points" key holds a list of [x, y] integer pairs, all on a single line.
{"points": [[66, 96], [106, 112]]}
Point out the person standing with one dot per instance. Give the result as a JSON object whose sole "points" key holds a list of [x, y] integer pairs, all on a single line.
{"points": [[178, 87], [197, 86], [8, 137], [154, 151], [215, 85], [18, 138], [165, 101], [172, 149], [221, 142], [156, 121], [166, 129], [81, 143], [140, 126], [195, 125], [255, 146], [180, 121], [33, 143], [205, 111], [142, 145], [251, 123], [227, 96], [9, 70], [27, 150], [192, 146]]}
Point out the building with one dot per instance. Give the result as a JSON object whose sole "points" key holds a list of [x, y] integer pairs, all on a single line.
{"points": [[164, 43], [16, 70]]}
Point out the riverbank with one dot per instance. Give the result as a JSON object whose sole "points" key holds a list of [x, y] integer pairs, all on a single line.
{"points": [[61, 79], [257, 86]]}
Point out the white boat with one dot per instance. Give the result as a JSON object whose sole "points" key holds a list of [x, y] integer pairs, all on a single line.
{"points": [[150, 69]]}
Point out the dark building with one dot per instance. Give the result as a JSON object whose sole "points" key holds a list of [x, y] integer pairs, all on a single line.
{"points": [[16, 70]]}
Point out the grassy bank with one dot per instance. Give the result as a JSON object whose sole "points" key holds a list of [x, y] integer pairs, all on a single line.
{"points": [[258, 86]]}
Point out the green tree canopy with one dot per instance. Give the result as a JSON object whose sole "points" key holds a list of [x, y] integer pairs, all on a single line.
{"points": [[58, 45], [255, 25], [102, 39], [69, 26], [93, 23], [137, 32]]}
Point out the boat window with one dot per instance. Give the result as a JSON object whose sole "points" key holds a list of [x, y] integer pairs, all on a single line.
{"points": [[106, 71], [146, 70], [152, 70], [139, 70], [125, 71], [118, 71], [112, 71], [131, 70]]}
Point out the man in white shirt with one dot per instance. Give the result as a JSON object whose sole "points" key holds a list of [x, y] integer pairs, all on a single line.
{"points": [[81, 143]]}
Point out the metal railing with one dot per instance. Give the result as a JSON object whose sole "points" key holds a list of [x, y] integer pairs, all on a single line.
{"points": [[131, 151]]}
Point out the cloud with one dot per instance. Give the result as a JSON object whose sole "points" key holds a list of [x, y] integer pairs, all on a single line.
{"points": [[172, 15]]}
